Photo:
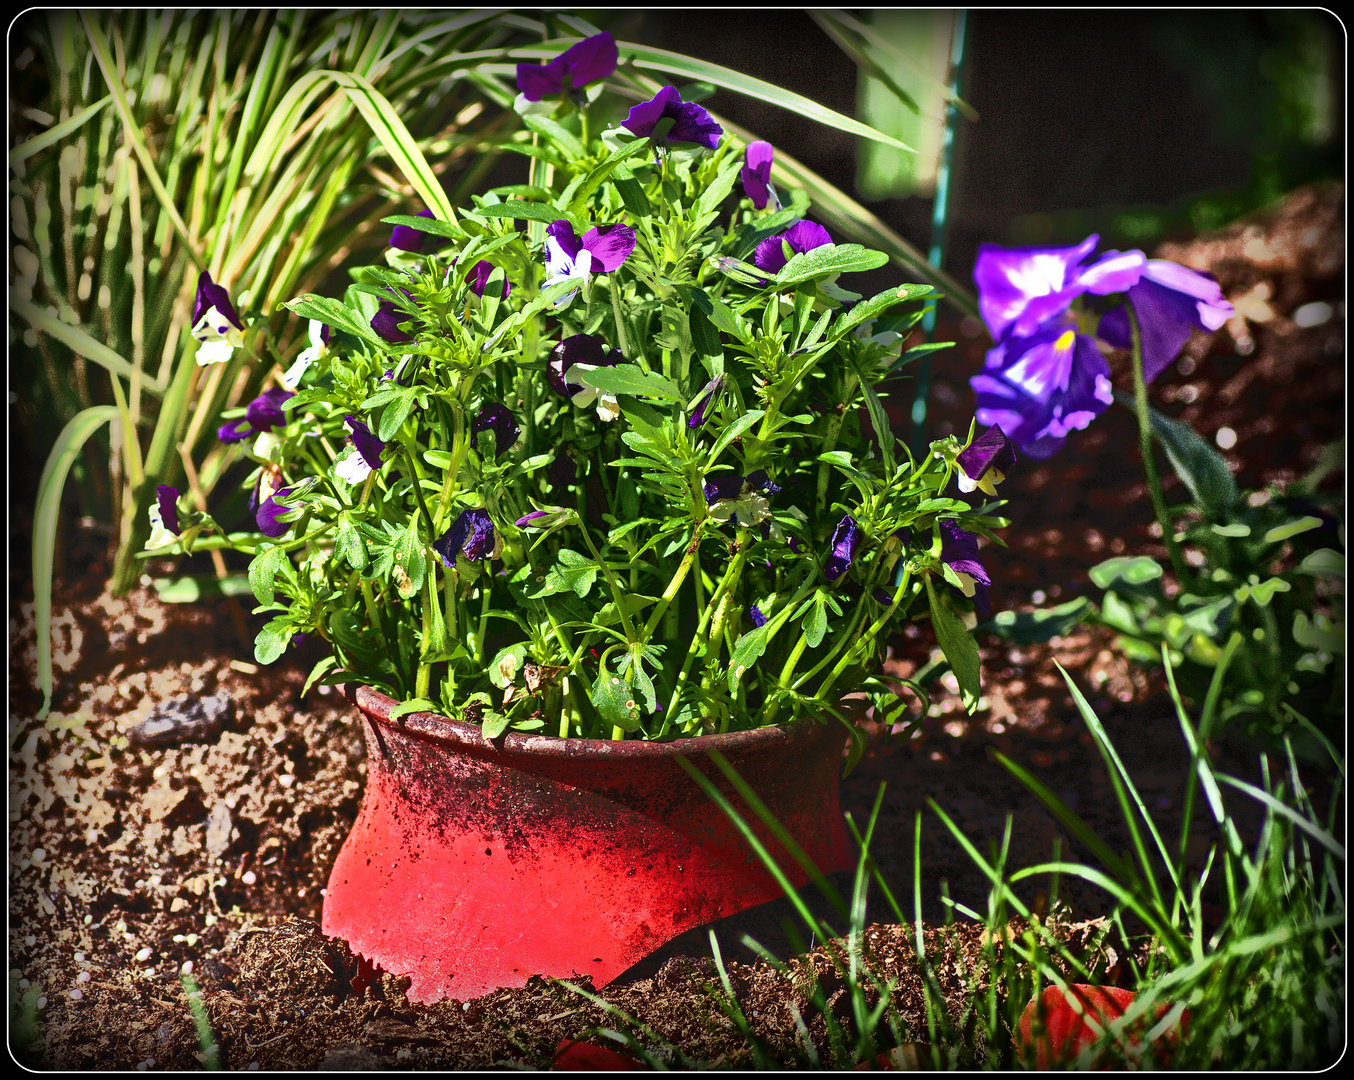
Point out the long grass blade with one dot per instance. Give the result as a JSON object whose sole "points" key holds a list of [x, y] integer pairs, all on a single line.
{"points": [[79, 341], [57, 132], [1284, 810], [53, 480]]}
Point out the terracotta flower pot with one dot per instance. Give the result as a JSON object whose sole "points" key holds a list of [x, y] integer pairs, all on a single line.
{"points": [[1052, 1033], [475, 864]]}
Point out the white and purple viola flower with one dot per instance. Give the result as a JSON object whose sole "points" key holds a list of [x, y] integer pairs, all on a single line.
{"points": [[590, 61], [568, 256], [164, 517], [691, 123], [740, 500], [262, 414], [567, 372], [756, 175], [959, 551], [984, 463], [842, 548], [472, 536], [363, 458], [1045, 377], [319, 348], [217, 328]]}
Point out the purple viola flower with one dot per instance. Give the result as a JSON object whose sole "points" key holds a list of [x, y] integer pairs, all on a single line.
{"points": [[587, 62], [216, 326], [959, 551], [692, 124], [984, 463], [845, 540], [708, 397], [164, 517], [1171, 301], [478, 279], [755, 616], [1020, 288], [364, 458], [775, 251], [471, 535], [211, 295], [386, 321], [409, 239], [756, 174], [264, 413], [739, 500], [269, 512], [496, 418], [567, 369], [1041, 387]]}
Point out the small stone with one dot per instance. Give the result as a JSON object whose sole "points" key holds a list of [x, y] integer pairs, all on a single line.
{"points": [[249, 877], [83, 977], [183, 719], [77, 994], [143, 954]]}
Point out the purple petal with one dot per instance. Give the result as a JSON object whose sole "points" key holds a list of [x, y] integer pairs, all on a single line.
{"points": [[756, 616], [959, 551], [609, 245], [1171, 301], [269, 512], [591, 59], [409, 239], [691, 122], [471, 535], [845, 540], [234, 431], [990, 450], [565, 236], [804, 236], [479, 279], [644, 117], [265, 412], [210, 295], [386, 323], [756, 174], [759, 481], [770, 255], [368, 445], [705, 402], [496, 418], [724, 485], [1040, 388], [578, 349], [167, 498]]}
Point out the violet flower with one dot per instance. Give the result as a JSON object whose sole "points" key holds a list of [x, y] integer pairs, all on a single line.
{"points": [[386, 322], [409, 239], [845, 540], [1019, 289], [984, 463], [471, 535], [755, 616], [1170, 301], [587, 62], [216, 326], [600, 250], [164, 517], [692, 124], [568, 367], [478, 279], [264, 413], [270, 511], [775, 251], [756, 175], [1040, 388], [740, 500], [496, 418], [959, 551], [365, 456]]}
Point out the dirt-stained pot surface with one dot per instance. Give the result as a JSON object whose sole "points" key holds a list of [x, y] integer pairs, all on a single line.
{"points": [[133, 863]]}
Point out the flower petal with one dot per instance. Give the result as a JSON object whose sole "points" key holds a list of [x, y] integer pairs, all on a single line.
{"points": [[609, 246], [845, 540]]}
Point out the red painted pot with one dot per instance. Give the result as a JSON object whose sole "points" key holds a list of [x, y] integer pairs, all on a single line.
{"points": [[476, 863]]}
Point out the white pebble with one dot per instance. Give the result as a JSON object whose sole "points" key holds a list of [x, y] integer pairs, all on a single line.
{"points": [[143, 954], [79, 958], [83, 977], [187, 968], [253, 1065], [24, 984], [30, 941], [77, 994], [42, 1002], [286, 780], [39, 856], [249, 878]]}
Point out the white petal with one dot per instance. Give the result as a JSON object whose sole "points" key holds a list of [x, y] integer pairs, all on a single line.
{"points": [[352, 467]]}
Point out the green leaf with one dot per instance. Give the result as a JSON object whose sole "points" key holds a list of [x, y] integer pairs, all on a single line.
{"points": [[1292, 528], [521, 210], [958, 646], [615, 702], [1232, 529], [721, 315], [348, 543], [194, 588], [563, 137], [503, 674], [263, 569], [1263, 592], [79, 341], [337, 315], [493, 724], [271, 641], [1040, 625], [1130, 569], [746, 650], [318, 672], [631, 379], [436, 226], [814, 624], [409, 556], [1201, 468], [877, 305], [414, 705], [53, 480], [1324, 562], [828, 259], [573, 573]]}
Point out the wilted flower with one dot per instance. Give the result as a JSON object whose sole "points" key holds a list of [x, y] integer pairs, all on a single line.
{"points": [[756, 175], [568, 367], [600, 250], [319, 347], [365, 456], [472, 535], [264, 413], [409, 239], [755, 616], [1041, 387], [164, 517], [775, 251], [705, 402], [739, 500], [692, 123], [478, 279], [216, 326], [496, 418], [547, 519], [983, 464], [845, 540], [1020, 288], [591, 59], [959, 551], [1171, 301]]}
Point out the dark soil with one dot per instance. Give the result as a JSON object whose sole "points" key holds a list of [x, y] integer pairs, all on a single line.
{"points": [[129, 863]]}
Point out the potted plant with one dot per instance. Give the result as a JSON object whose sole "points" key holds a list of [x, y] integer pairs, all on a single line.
{"points": [[591, 476]]}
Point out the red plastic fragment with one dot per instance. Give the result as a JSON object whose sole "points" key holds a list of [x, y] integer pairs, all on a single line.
{"points": [[1065, 1032], [573, 1055]]}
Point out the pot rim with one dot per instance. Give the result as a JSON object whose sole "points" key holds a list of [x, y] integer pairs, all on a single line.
{"points": [[376, 706]]}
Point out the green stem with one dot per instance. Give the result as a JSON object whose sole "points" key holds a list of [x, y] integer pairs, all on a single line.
{"points": [[675, 585], [1148, 458], [866, 640], [617, 594]]}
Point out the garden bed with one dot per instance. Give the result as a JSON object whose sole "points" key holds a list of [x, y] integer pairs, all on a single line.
{"points": [[128, 863]]}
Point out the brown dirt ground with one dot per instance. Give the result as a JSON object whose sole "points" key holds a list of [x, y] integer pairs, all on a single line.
{"points": [[128, 864]]}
